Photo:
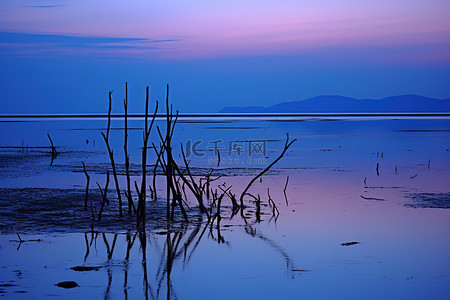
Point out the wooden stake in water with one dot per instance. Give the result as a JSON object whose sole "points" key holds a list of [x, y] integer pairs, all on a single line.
{"points": [[146, 135], [111, 155], [284, 191], [131, 207], [54, 152], [88, 179]]}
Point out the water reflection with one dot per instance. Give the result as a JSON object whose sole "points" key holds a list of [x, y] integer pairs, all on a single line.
{"points": [[157, 253]]}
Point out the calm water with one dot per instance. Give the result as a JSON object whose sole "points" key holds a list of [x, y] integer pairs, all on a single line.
{"points": [[398, 212]]}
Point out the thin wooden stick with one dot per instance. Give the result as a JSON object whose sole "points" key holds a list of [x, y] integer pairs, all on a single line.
{"points": [[109, 114], [231, 196], [138, 193], [92, 216], [54, 152], [284, 191], [158, 162], [192, 185], [88, 179], [131, 207], [20, 239], [146, 135], [169, 167], [178, 199], [111, 155], [104, 195]]}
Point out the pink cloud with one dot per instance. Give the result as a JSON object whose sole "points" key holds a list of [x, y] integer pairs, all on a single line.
{"points": [[230, 28]]}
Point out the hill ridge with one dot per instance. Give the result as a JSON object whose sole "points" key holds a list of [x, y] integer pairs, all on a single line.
{"points": [[407, 103]]}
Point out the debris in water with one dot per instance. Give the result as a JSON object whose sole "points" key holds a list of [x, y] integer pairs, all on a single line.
{"points": [[349, 243], [84, 268], [67, 284], [371, 198]]}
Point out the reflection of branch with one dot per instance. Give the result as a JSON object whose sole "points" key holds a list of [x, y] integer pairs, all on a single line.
{"points": [[146, 285], [87, 246], [130, 243], [275, 212], [108, 286], [165, 265], [257, 201], [196, 244], [188, 242], [178, 246], [143, 240], [287, 258], [110, 252], [23, 241]]}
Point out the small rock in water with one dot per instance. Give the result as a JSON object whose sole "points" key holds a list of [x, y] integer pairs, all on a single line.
{"points": [[349, 243], [67, 284]]}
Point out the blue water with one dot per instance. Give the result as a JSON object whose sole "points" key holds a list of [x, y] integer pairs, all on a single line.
{"points": [[402, 252]]}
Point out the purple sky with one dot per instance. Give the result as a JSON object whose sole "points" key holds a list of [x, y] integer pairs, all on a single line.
{"points": [[218, 53]]}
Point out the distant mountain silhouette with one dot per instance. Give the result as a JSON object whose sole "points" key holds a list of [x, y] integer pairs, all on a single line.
{"points": [[340, 104]]}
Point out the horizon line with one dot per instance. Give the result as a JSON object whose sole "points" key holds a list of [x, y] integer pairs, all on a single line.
{"points": [[231, 115]]}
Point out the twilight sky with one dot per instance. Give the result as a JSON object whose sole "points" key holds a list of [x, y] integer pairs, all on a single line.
{"points": [[63, 56]]}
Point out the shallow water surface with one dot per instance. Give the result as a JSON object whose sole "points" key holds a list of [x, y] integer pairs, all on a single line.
{"points": [[365, 212]]}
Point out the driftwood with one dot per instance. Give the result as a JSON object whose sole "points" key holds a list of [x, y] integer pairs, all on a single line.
{"points": [[179, 179], [286, 147]]}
